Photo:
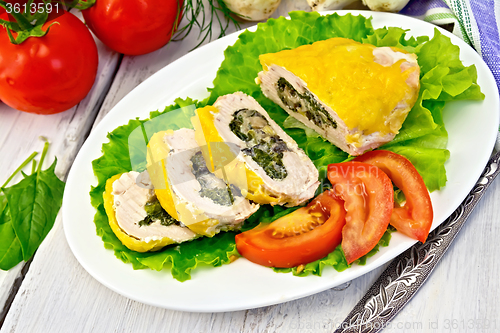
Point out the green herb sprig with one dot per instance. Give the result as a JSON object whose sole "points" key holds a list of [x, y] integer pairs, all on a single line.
{"points": [[28, 210], [218, 13]]}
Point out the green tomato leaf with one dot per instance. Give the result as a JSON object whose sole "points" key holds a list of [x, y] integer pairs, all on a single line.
{"points": [[34, 203], [26, 25]]}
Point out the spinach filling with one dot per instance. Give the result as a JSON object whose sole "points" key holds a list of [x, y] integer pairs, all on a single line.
{"points": [[305, 104], [212, 187], [263, 144], [156, 213]]}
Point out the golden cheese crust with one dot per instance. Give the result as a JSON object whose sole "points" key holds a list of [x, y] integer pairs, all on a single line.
{"points": [[370, 89]]}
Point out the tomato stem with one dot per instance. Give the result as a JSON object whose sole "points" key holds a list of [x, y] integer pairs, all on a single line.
{"points": [[25, 23], [78, 4], [21, 21]]}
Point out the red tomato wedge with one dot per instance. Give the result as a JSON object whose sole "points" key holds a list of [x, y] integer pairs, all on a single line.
{"points": [[414, 218], [303, 236], [369, 200]]}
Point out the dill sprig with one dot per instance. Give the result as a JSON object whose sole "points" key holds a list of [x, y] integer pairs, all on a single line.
{"points": [[217, 12]]}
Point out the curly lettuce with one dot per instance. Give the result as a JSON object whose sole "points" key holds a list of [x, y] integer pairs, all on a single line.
{"points": [[422, 139]]}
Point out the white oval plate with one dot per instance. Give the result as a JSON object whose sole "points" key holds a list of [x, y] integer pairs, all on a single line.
{"points": [[472, 128]]}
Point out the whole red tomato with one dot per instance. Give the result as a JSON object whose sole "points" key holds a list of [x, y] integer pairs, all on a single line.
{"points": [[48, 74], [134, 27]]}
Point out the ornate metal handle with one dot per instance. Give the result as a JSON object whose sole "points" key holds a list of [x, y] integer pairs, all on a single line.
{"points": [[408, 272]]}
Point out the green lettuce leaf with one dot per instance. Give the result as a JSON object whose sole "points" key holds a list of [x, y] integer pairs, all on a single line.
{"points": [[291, 122], [444, 76], [395, 37], [335, 259], [422, 139]]}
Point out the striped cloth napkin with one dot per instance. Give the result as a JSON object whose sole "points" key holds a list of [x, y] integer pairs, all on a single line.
{"points": [[475, 21]]}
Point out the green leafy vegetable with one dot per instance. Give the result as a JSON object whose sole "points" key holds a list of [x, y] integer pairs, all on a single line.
{"points": [[28, 211], [422, 139], [10, 248]]}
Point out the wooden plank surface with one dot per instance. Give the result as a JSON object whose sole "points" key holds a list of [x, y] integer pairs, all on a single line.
{"points": [[20, 135], [58, 295]]}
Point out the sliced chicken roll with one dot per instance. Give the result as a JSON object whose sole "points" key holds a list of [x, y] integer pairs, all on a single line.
{"points": [[187, 189], [137, 218], [277, 171], [355, 95]]}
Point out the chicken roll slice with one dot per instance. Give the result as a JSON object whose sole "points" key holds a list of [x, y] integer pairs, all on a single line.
{"points": [[277, 171], [137, 218], [187, 189], [355, 95]]}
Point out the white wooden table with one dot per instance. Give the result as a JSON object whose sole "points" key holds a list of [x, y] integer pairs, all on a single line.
{"points": [[54, 293]]}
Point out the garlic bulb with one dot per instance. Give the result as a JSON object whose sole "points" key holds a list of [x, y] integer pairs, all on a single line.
{"points": [[253, 10], [386, 5], [319, 5]]}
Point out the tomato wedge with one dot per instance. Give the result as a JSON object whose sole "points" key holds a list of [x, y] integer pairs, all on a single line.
{"points": [[303, 236], [414, 218], [369, 200]]}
